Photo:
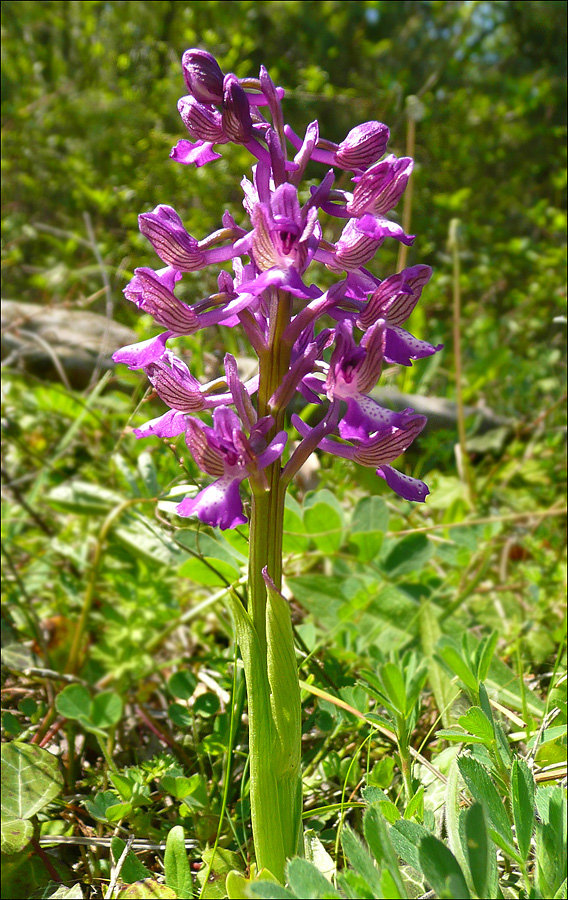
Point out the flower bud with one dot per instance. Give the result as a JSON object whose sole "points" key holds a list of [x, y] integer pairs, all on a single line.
{"points": [[380, 188], [164, 229], [237, 121], [202, 75], [363, 146]]}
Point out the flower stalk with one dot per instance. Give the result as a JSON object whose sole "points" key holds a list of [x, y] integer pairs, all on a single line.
{"points": [[327, 347]]}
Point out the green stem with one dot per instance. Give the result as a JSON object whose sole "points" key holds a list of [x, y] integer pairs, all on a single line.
{"points": [[453, 245], [266, 639], [405, 760]]}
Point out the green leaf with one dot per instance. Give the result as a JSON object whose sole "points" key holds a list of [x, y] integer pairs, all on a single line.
{"points": [[406, 837], [307, 882], [176, 863], [316, 853], [444, 691], [458, 735], [83, 498], [132, 869], [106, 709], [551, 839], [148, 473], [30, 780], [180, 787], [323, 523], [523, 803], [394, 687], [74, 702], [382, 772], [16, 834], [182, 684], [123, 785], [118, 811], [416, 805], [407, 555], [294, 538], [144, 541], [377, 837], [149, 889], [481, 787], [206, 704], [100, 803], [209, 571], [441, 869], [270, 891], [476, 722], [368, 525], [478, 849], [180, 715], [360, 859], [484, 654], [451, 657], [354, 885]]}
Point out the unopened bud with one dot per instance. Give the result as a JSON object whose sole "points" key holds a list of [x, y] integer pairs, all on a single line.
{"points": [[202, 75], [237, 121]]}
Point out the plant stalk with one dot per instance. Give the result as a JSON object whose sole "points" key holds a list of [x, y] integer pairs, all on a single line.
{"points": [[266, 640]]}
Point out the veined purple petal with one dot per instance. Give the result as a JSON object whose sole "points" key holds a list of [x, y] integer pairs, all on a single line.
{"points": [[363, 146], [177, 387], [137, 356], [218, 505], [198, 154], [383, 449], [279, 278], [354, 248], [169, 425], [203, 122], [208, 457], [393, 290], [164, 229], [148, 291], [237, 122], [380, 188], [202, 75], [403, 485]]}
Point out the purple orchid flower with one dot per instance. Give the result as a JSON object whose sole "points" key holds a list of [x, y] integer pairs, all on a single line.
{"points": [[379, 452], [393, 302], [225, 452], [271, 258]]}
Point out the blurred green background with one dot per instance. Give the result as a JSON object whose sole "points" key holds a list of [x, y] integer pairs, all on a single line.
{"points": [[89, 105]]}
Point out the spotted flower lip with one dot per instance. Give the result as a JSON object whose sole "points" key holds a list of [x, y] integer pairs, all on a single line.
{"points": [[225, 452]]}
